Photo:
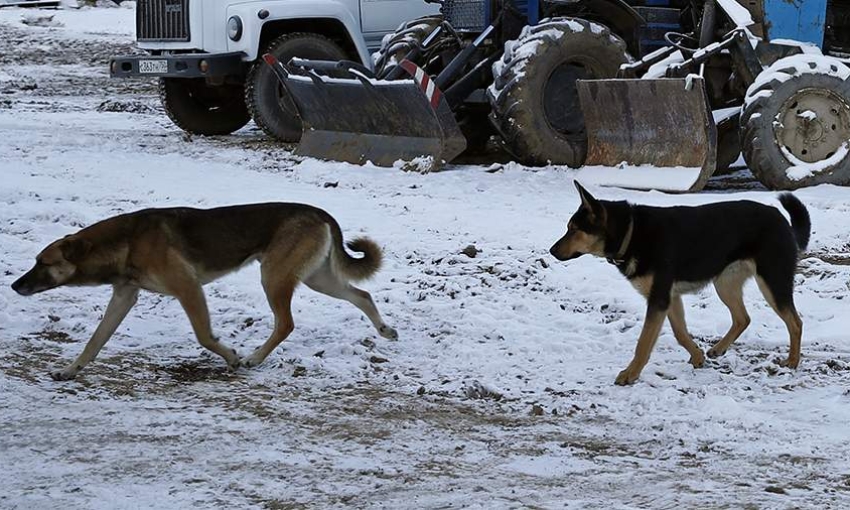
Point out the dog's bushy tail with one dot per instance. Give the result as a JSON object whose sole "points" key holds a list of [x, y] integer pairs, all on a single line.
{"points": [[801, 224], [362, 268], [353, 268]]}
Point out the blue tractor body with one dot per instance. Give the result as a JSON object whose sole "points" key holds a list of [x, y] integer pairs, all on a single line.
{"points": [[784, 19]]}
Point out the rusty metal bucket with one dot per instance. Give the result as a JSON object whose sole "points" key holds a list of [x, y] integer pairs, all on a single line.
{"points": [[648, 134], [360, 119]]}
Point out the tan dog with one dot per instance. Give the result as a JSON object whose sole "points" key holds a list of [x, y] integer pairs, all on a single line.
{"points": [[176, 251]]}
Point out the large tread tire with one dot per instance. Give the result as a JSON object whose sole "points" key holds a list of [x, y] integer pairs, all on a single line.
{"points": [[202, 109], [270, 106], [728, 146], [395, 45], [518, 95], [473, 122], [784, 89]]}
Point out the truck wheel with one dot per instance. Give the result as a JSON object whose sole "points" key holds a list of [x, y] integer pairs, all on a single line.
{"points": [[534, 96], [202, 109], [395, 45], [271, 107], [795, 127]]}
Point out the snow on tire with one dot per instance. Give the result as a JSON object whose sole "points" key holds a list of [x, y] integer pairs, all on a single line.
{"points": [[534, 100], [795, 126], [395, 45]]}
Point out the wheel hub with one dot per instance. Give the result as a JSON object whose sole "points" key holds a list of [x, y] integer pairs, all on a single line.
{"points": [[560, 98], [813, 124]]}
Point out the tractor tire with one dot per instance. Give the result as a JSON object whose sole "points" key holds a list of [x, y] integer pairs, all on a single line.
{"points": [[728, 145], [270, 106], [202, 109], [534, 100], [795, 127], [476, 127], [395, 45]]}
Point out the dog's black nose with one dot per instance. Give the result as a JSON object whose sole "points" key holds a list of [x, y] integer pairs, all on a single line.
{"points": [[17, 287]]}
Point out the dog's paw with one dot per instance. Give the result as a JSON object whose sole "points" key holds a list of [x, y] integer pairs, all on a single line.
{"points": [[388, 332], [697, 361], [715, 352], [252, 360], [626, 377], [233, 360], [63, 375], [790, 362]]}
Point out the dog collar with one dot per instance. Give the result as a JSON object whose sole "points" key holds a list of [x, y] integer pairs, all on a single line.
{"points": [[617, 259]]}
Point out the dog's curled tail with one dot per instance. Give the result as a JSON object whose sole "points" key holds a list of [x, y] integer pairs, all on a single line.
{"points": [[801, 224], [366, 266], [361, 268]]}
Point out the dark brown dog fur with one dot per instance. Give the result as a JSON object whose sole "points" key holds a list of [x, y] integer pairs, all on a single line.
{"points": [[176, 251]]}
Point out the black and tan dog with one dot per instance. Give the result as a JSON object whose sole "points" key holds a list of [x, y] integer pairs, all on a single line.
{"points": [[176, 251], [669, 251]]}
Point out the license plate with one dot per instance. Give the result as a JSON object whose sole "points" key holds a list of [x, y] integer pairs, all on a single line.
{"points": [[153, 66]]}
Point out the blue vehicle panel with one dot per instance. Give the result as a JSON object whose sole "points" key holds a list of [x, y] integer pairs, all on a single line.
{"points": [[800, 20]]}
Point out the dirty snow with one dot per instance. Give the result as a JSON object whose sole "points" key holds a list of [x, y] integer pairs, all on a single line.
{"points": [[808, 115], [786, 68], [678, 178], [659, 69], [805, 47], [739, 14], [725, 113], [800, 169], [499, 393]]}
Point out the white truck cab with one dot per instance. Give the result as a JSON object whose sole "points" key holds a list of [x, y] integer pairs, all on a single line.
{"points": [[206, 53]]}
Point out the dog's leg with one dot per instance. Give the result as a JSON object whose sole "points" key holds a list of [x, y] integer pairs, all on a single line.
{"points": [[123, 299], [782, 301], [327, 283], [279, 293], [296, 252], [194, 303], [731, 292], [177, 278], [676, 316], [658, 301], [646, 341]]}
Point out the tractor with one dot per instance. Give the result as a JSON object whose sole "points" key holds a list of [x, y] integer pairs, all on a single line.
{"points": [[767, 79], [445, 84], [657, 95]]}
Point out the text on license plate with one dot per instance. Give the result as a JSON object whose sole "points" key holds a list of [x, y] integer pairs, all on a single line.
{"points": [[153, 66]]}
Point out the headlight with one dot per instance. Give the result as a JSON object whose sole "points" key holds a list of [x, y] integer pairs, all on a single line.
{"points": [[234, 28]]}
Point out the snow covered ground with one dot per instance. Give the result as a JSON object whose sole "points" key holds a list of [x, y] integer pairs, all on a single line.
{"points": [[499, 392]]}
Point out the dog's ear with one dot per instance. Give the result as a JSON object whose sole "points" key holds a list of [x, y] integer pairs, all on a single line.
{"points": [[75, 249], [594, 206], [586, 198]]}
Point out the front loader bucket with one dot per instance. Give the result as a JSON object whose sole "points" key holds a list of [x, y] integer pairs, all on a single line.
{"points": [[362, 119], [648, 134]]}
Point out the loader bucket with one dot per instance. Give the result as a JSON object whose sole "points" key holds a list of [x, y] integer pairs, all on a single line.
{"points": [[360, 119], [648, 134]]}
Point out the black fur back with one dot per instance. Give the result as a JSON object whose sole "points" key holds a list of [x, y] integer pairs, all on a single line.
{"points": [[801, 224]]}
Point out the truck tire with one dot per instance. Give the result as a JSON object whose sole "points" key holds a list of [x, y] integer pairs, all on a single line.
{"points": [[395, 45], [534, 100], [270, 106], [795, 126], [202, 109]]}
